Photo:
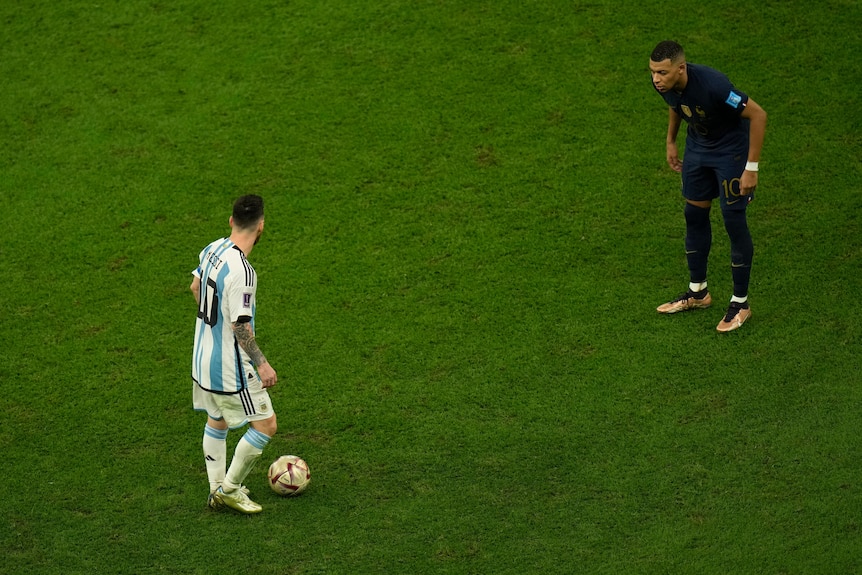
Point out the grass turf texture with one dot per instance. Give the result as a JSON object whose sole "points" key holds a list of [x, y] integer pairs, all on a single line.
{"points": [[469, 224]]}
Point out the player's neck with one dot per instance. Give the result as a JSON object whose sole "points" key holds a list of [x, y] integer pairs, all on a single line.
{"points": [[244, 241], [683, 81]]}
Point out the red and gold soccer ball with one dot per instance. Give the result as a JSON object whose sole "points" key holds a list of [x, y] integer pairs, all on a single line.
{"points": [[289, 475]]}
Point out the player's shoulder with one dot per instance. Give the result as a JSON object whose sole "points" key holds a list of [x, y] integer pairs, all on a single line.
{"points": [[239, 268], [236, 255], [706, 75], [214, 245]]}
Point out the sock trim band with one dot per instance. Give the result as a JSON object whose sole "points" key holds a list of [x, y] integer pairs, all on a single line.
{"points": [[220, 434]]}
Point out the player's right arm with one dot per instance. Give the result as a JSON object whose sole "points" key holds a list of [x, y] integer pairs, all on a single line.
{"points": [[196, 288], [673, 123], [757, 128]]}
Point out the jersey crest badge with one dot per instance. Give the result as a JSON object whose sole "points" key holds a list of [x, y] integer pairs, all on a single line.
{"points": [[686, 110], [733, 99]]}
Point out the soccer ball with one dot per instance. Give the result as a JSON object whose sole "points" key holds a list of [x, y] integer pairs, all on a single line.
{"points": [[289, 475]]}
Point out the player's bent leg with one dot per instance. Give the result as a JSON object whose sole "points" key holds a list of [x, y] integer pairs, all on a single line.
{"points": [[232, 492], [248, 451]]}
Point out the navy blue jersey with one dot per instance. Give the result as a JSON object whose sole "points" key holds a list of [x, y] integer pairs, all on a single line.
{"points": [[712, 107]]}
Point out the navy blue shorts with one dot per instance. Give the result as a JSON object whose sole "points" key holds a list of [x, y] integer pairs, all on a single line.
{"points": [[706, 177]]}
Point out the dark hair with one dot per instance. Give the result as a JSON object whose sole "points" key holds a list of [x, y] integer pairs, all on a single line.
{"points": [[667, 50], [247, 211]]}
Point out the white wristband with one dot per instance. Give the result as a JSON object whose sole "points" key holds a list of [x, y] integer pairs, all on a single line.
{"points": [[751, 166]]}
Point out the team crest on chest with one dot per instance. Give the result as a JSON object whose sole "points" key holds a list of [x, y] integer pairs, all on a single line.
{"points": [[686, 110]]}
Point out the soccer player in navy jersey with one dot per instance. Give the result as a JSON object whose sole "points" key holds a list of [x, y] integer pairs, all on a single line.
{"points": [[230, 374], [722, 151]]}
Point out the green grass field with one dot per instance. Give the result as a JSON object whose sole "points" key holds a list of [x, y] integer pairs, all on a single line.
{"points": [[470, 222]]}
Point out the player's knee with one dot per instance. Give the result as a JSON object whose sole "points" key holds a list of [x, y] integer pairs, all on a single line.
{"points": [[266, 426], [220, 424], [696, 216]]}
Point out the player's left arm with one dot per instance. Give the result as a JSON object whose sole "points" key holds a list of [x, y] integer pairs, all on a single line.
{"points": [[756, 117]]}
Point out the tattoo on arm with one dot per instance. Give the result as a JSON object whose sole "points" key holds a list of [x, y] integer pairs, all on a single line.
{"points": [[246, 340]]}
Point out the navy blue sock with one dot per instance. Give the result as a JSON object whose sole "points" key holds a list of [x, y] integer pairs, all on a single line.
{"points": [[698, 240], [741, 250]]}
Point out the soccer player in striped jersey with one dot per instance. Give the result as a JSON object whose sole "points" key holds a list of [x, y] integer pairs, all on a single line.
{"points": [[229, 371]]}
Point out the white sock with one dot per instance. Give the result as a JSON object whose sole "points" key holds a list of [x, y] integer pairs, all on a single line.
{"points": [[215, 455], [697, 286], [737, 299], [248, 451]]}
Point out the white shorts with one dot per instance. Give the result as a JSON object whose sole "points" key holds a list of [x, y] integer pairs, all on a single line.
{"points": [[237, 409]]}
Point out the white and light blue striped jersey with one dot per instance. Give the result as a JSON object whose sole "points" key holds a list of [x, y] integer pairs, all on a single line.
{"points": [[228, 288]]}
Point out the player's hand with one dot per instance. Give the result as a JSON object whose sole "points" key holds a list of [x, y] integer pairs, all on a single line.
{"points": [[267, 375], [673, 159], [747, 183]]}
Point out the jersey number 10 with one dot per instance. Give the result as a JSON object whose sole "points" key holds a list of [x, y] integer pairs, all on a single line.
{"points": [[208, 311]]}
